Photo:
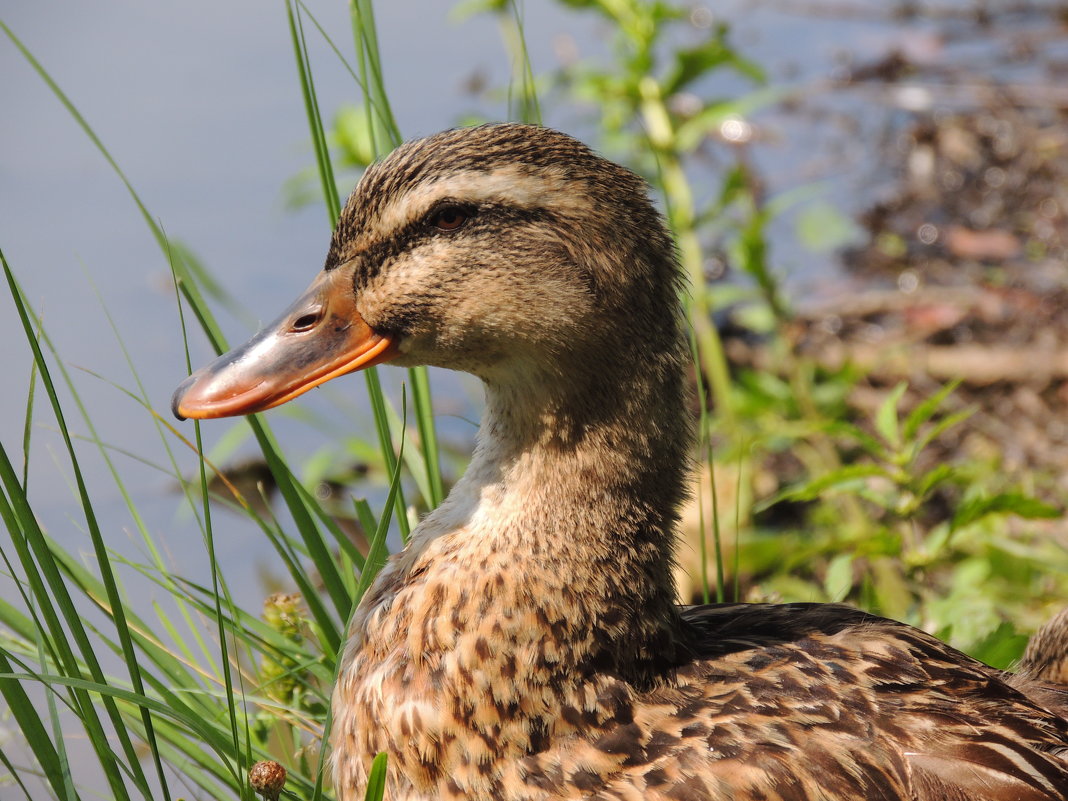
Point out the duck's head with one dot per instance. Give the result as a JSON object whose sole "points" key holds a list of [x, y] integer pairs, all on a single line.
{"points": [[502, 250]]}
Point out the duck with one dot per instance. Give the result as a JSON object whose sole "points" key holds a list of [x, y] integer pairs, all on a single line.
{"points": [[526, 644]]}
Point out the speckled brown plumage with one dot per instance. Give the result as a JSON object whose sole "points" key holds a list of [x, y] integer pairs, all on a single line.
{"points": [[526, 644], [1043, 671]]}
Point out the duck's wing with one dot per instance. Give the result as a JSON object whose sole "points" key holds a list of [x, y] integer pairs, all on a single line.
{"points": [[1047, 695], [805, 703], [809, 701]]}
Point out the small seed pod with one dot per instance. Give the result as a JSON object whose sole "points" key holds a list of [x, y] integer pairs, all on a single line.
{"points": [[267, 778]]}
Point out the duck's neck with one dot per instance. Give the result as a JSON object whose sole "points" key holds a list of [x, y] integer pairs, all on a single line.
{"points": [[575, 482]]}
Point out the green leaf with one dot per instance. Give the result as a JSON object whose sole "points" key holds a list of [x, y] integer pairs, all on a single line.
{"points": [[1005, 503], [836, 479], [892, 594], [1001, 648], [839, 579], [793, 588], [933, 477], [582, 4], [691, 131], [938, 428], [886, 417], [352, 132], [470, 8], [925, 410], [756, 317], [694, 62], [872, 445]]}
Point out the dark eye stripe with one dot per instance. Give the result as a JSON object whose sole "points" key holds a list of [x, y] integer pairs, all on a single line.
{"points": [[416, 232]]}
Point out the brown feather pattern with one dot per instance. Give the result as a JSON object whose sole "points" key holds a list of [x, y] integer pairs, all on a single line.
{"points": [[526, 644]]}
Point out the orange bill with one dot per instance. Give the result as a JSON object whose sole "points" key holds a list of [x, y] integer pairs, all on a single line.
{"points": [[319, 337]]}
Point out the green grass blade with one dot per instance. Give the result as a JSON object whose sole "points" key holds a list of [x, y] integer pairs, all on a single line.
{"points": [[33, 731], [365, 515], [27, 427], [311, 108], [376, 778], [382, 117], [193, 724], [330, 42], [721, 585], [380, 111], [516, 41], [342, 540], [286, 485], [310, 534], [174, 671], [380, 415], [373, 562], [704, 437], [110, 584], [44, 558], [386, 135], [209, 535], [14, 774], [377, 553], [424, 418], [116, 477]]}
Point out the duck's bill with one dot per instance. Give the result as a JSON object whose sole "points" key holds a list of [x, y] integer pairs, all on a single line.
{"points": [[319, 337]]}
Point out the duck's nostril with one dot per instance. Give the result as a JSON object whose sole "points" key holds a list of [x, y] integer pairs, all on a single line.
{"points": [[304, 322]]}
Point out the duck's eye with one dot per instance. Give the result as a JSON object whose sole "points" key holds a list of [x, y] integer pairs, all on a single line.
{"points": [[449, 218]]}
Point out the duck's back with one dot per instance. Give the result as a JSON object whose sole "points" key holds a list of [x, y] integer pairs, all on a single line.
{"points": [[802, 702]]}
